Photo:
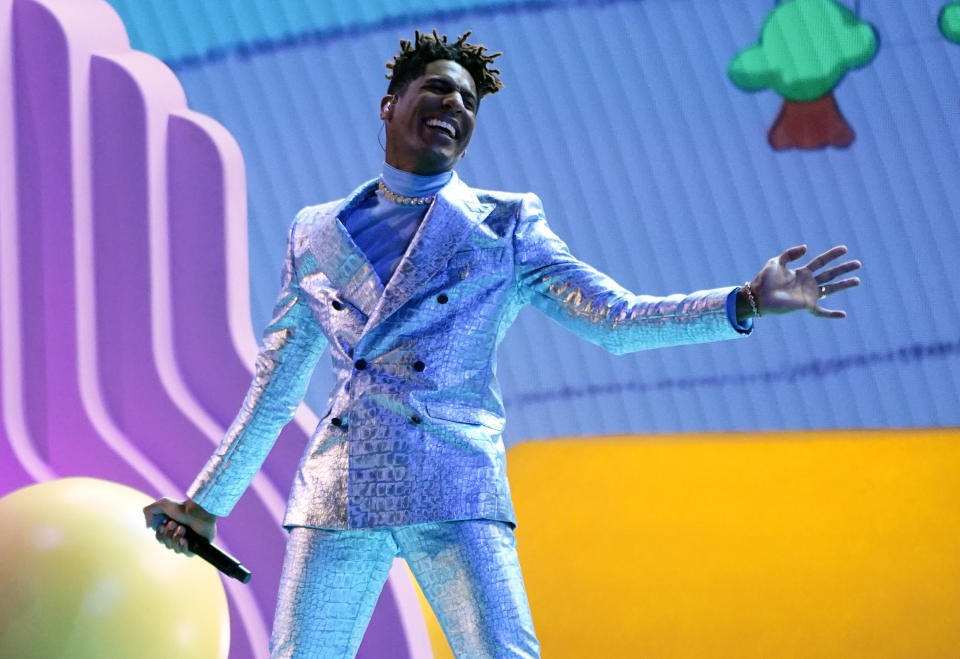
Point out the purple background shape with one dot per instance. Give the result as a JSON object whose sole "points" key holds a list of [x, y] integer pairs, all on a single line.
{"points": [[124, 354]]}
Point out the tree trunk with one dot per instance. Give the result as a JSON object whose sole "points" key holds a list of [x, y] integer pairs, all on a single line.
{"points": [[810, 125]]}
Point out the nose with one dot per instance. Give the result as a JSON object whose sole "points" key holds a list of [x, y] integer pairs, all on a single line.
{"points": [[453, 102]]}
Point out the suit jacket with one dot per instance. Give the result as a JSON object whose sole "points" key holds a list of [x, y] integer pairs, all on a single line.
{"points": [[413, 429]]}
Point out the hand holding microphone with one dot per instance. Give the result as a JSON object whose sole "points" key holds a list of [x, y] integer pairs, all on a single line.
{"points": [[186, 528]]}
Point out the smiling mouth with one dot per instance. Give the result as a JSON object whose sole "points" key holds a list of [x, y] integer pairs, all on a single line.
{"points": [[444, 126]]}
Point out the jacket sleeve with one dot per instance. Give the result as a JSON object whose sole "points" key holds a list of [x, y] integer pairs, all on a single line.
{"points": [[596, 308], [290, 348]]}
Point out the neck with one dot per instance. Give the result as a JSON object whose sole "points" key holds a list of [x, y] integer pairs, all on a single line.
{"points": [[419, 166], [409, 184]]}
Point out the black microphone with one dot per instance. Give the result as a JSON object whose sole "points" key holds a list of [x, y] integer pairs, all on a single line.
{"points": [[208, 552]]}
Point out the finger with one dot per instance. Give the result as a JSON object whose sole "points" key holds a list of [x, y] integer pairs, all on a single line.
{"points": [[792, 254], [182, 541], [179, 536], [835, 272], [173, 540], [161, 536], [826, 257], [830, 289], [165, 534], [828, 313]]}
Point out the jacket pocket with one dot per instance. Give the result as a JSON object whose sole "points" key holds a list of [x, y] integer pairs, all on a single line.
{"points": [[475, 257], [458, 413]]}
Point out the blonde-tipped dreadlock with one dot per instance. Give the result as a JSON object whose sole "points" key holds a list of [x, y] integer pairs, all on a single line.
{"points": [[413, 58]]}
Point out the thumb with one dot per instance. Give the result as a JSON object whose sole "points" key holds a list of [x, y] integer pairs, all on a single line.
{"points": [[154, 511]]}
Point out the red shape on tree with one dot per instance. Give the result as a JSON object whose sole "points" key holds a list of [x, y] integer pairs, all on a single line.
{"points": [[810, 125]]}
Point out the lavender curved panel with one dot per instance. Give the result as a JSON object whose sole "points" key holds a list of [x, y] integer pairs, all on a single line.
{"points": [[13, 475], [48, 66], [16, 470]]}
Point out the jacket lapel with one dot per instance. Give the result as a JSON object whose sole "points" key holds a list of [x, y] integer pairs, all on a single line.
{"points": [[454, 212], [339, 258]]}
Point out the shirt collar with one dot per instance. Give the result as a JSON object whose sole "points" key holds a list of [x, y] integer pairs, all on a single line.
{"points": [[413, 185]]}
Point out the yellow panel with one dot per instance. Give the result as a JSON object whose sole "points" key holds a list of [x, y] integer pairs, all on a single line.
{"points": [[826, 544]]}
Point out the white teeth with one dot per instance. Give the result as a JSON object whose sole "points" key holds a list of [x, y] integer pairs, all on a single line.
{"points": [[439, 123]]}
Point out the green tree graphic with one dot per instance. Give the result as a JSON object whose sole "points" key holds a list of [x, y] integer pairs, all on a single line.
{"points": [[950, 21], [805, 49]]}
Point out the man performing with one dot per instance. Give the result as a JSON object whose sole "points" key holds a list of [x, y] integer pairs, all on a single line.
{"points": [[412, 281]]}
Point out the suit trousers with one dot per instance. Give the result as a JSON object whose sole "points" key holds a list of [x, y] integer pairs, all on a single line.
{"points": [[468, 571]]}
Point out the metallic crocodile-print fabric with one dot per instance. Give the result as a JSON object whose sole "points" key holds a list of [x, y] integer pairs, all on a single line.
{"points": [[290, 348], [413, 431], [468, 571]]}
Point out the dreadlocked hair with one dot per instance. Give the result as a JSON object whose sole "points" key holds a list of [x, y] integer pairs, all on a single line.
{"points": [[413, 58]]}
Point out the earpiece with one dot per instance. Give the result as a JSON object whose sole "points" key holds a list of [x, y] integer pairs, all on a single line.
{"points": [[388, 107]]}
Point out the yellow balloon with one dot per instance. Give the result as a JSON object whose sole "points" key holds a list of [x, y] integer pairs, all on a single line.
{"points": [[81, 576]]}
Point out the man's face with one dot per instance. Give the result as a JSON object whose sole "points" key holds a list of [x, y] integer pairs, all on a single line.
{"points": [[430, 122]]}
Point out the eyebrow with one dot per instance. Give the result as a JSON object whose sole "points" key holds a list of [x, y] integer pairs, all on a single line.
{"points": [[464, 91]]}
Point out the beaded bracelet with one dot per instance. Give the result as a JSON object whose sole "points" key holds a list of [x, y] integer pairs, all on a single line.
{"points": [[752, 300]]}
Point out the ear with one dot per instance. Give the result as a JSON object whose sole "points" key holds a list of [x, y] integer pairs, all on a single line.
{"points": [[386, 106]]}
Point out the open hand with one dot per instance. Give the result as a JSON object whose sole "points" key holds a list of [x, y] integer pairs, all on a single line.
{"points": [[778, 289]]}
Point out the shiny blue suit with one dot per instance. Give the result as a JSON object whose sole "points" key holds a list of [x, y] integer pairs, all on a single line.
{"points": [[413, 430]]}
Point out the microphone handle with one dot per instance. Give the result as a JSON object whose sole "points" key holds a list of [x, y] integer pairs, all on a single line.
{"points": [[214, 555]]}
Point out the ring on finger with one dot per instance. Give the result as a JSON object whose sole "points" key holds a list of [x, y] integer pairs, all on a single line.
{"points": [[823, 291]]}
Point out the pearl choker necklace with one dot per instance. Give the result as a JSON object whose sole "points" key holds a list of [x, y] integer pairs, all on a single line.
{"points": [[400, 199]]}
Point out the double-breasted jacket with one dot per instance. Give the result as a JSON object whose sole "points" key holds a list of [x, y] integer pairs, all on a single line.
{"points": [[413, 429]]}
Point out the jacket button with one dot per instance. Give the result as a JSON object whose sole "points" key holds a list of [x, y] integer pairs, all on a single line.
{"points": [[419, 365], [337, 304], [360, 364], [442, 298], [416, 419], [337, 421]]}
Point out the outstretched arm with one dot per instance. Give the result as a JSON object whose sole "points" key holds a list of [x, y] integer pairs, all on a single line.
{"points": [[596, 308]]}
